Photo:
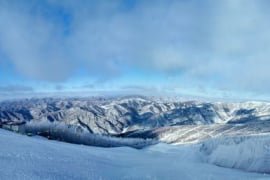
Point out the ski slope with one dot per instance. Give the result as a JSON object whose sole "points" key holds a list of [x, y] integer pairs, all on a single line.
{"points": [[28, 158]]}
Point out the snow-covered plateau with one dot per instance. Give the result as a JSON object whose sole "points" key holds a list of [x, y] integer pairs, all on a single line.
{"points": [[33, 158]]}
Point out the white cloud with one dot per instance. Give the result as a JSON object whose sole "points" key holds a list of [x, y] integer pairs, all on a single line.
{"points": [[224, 42]]}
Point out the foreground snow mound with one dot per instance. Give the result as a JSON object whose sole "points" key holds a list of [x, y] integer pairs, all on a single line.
{"points": [[249, 153], [29, 158]]}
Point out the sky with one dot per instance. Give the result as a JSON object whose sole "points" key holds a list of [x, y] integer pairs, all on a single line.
{"points": [[213, 49]]}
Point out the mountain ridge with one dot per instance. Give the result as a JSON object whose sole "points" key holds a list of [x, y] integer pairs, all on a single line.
{"points": [[116, 116]]}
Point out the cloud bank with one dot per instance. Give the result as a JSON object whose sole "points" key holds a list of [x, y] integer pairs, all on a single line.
{"points": [[222, 44], [15, 89]]}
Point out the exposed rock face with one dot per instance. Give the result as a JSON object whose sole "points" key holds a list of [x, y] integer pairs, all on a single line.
{"points": [[116, 116]]}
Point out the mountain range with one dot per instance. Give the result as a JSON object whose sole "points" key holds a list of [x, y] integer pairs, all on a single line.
{"points": [[170, 121]]}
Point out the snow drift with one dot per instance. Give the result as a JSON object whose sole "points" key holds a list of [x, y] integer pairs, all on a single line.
{"points": [[249, 153]]}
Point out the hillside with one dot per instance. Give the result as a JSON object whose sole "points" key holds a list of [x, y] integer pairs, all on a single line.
{"points": [[30, 158]]}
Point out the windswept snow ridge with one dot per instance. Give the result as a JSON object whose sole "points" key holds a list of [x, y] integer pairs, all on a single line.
{"points": [[249, 153]]}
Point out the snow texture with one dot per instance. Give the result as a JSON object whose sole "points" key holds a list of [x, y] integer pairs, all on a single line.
{"points": [[30, 158], [249, 153]]}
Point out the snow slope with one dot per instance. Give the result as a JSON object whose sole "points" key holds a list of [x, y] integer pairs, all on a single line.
{"points": [[23, 157], [249, 153]]}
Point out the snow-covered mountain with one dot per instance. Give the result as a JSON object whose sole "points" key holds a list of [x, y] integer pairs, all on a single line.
{"points": [[207, 135], [141, 117]]}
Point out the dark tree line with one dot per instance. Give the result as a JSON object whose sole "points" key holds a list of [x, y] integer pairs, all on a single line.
{"points": [[77, 135]]}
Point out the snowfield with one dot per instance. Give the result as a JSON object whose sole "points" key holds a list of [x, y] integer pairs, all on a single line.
{"points": [[27, 158]]}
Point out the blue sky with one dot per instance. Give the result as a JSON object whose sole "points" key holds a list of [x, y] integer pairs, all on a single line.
{"points": [[215, 49]]}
